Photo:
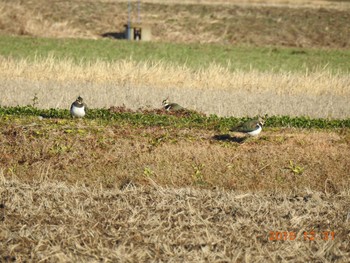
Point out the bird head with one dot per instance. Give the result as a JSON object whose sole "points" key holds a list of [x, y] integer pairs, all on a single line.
{"points": [[79, 100], [262, 120], [165, 102]]}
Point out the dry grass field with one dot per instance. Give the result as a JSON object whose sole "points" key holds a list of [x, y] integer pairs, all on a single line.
{"points": [[215, 90], [75, 223], [83, 191], [93, 190]]}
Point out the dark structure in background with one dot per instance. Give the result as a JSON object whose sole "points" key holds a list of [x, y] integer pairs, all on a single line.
{"points": [[135, 31]]}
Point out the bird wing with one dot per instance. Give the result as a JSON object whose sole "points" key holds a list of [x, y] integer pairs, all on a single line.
{"points": [[175, 106], [248, 126]]}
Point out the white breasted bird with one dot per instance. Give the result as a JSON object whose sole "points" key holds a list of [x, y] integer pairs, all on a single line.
{"points": [[78, 108], [251, 127], [171, 106]]}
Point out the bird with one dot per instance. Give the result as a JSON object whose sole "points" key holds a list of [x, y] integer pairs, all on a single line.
{"points": [[171, 106], [252, 127], [78, 108]]}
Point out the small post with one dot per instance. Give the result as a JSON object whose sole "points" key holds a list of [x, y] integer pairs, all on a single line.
{"points": [[128, 29]]}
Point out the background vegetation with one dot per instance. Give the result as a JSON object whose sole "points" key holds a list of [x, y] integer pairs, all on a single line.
{"points": [[301, 23], [194, 56]]}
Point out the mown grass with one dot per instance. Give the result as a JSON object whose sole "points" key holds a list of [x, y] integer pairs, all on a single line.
{"points": [[195, 56]]}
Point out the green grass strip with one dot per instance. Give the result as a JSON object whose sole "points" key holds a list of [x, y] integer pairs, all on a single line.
{"points": [[196, 56], [188, 120]]}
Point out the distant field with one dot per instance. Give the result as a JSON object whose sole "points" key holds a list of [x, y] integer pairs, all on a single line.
{"points": [[196, 56]]}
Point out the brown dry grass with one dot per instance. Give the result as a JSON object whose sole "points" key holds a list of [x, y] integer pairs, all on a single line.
{"points": [[19, 20], [298, 3], [289, 23], [51, 221], [112, 155], [82, 192], [162, 74], [215, 90]]}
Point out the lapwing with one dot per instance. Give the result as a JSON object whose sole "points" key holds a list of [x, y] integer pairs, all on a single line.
{"points": [[78, 108], [171, 106], [251, 127]]}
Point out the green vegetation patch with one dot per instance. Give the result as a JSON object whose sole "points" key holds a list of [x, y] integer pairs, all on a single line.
{"points": [[178, 120], [195, 56]]}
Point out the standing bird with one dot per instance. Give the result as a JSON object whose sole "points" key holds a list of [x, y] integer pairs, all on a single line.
{"points": [[78, 108], [171, 106], [251, 127]]}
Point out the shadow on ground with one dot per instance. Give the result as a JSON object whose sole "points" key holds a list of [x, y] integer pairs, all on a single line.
{"points": [[115, 35], [229, 138]]}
